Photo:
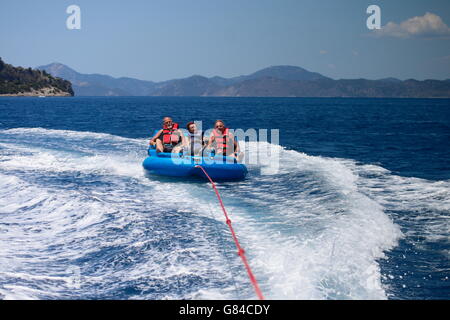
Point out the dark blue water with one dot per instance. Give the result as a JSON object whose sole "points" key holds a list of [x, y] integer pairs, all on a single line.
{"points": [[359, 209], [408, 136]]}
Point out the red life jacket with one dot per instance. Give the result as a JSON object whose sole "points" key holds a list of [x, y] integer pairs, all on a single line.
{"points": [[221, 139], [170, 136]]}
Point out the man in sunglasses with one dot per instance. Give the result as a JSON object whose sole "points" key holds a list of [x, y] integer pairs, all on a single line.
{"points": [[223, 141], [169, 138]]}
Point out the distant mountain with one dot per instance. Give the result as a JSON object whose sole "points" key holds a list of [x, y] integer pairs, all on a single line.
{"points": [[18, 81], [282, 73], [278, 72], [275, 81], [272, 87], [390, 79], [192, 86], [98, 84]]}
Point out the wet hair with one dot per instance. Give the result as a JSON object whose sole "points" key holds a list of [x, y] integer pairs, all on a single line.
{"points": [[218, 120]]}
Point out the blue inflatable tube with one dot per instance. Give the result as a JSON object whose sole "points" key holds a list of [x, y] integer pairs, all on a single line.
{"points": [[219, 168]]}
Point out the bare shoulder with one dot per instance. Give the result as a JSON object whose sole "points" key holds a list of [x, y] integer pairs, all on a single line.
{"points": [[158, 133]]}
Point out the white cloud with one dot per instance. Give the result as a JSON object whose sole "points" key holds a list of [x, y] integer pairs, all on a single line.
{"points": [[323, 51], [426, 26]]}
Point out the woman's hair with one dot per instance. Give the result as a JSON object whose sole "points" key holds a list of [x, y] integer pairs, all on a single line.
{"points": [[189, 123], [218, 120]]}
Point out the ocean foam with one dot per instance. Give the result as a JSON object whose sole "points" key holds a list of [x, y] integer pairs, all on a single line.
{"points": [[315, 229]]}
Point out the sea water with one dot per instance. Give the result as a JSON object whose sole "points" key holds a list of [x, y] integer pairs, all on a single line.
{"points": [[359, 207]]}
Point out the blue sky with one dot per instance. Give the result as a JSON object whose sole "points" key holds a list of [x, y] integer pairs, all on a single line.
{"points": [[166, 39]]}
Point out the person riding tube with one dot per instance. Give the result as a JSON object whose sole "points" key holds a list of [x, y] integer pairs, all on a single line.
{"points": [[195, 140], [223, 141], [169, 138]]}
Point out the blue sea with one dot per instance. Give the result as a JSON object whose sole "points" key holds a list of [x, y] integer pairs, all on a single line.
{"points": [[359, 207]]}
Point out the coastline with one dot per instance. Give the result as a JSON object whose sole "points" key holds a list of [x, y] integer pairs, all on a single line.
{"points": [[44, 92]]}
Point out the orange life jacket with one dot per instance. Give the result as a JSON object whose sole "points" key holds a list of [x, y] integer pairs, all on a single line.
{"points": [[170, 136], [221, 139]]}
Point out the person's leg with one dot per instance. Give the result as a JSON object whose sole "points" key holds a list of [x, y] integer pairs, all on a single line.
{"points": [[198, 151], [230, 153], [159, 146], [176, 149]]}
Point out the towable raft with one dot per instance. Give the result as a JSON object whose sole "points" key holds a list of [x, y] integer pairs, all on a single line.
{"points": [[178, 165]]}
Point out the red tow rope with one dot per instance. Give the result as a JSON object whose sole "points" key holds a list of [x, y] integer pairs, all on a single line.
{"points": [[241, 251]]}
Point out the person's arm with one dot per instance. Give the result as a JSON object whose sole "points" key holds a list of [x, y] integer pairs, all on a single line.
{"points": [[184, 142], [237, 149], [205, 140], [210, 141], [152, 141], [235, 143]]}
